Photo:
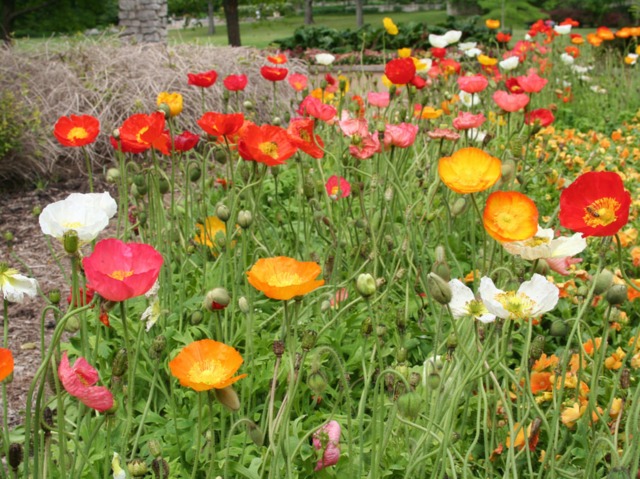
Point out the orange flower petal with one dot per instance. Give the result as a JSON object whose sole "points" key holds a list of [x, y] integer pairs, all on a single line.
{"points": [[510, 216], [284, 278], [469, 170]]}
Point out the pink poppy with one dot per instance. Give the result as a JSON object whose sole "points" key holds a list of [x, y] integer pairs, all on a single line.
{"points": [[298, 81], [531, 83], [337, 187], [510, 102], [341, 296], [185, 141], [443, 134], [313, 107], [327, 440], [541, 116], [79, 381], [119, 271], [466, 120], [353, 126], [235, 82], [401, 136], [473, 83], [364, 147], [380, 100], [561, 265]]}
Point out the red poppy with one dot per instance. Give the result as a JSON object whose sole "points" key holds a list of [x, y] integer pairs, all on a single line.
{"points": [[315, 108], [266, 144], [438, 53], [400, 71], [83, 298], [512, 85], [80, 380], [570, 21], [541, 116], [221, 124], [76, 130], [473, 83], [6, 363], [573, 51], [203, 80], [449, 66], [278, 59], [510, 102], [531, 83], [298, 81], [337, 187], [301, 134], [502, 37], [185, 141], [119, 271], [235, 82], [595, 204], [140, 132], [273, 73]]}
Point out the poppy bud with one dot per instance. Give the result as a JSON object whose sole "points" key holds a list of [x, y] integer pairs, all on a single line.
{"points": [[366, 328], [558, 328], [317, 383], [309, 338], [414, 379], [508, 170], [366, 285], [255, 433], [625, 378], [603, 281], [410, 405], [616, 294], [542, 267], [8, 236], [433, 380], [245, 218], [392, 91], [220, 156], [223, 213], [248, 105], [228, 398], [196, 318], [537, 347], [116, 133], [388, 194], [452, 342], [54, 296], [113, 175], [459, 206], [70, 241], [160, 468], [401, 355], [439, 289], [163, 186], [515, 145], [195, 174], [278, 348], [137, 468], [155, 448], [277, 121], [72, 325], [16, 455], [120, 363], [381, 330], [216, 299], [157, 347]]}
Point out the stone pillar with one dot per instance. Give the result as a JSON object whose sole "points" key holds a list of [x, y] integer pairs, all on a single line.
{"points": [[143, 21]]}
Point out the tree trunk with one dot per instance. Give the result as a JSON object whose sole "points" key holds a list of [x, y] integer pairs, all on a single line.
{"points": [[212, 25], [8, 7], [359, 13], [233, 22], [308, 12]]}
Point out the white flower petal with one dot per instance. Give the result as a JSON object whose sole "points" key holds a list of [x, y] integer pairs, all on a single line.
{"points": [[87, 214], [562, 29], [467, 46], [510, 63], [461, 295], [473, 52], [438, 41], [542, 292], [452, 36], [488, 293], [14, 286], [568, 246], [325, 59]]}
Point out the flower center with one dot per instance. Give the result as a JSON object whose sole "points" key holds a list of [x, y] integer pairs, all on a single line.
{"points": [[601, 212], [536, 241], [72, 225], [142, 131], [334, 191], [476, 308], [209, 371], [504, 220], [304, 134], [269, 148], [120, 275], [517, 304], [77, 133], [284, 279]]}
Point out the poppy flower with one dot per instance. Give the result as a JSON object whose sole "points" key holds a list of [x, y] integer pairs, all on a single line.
{"points": [[119, 271], [541, 116], [298, 81], [315, 108], [185, 141], [400, 71], [438, 52], [327, 440], [83, 297], [203, 80], [380, 100], [76, 130], [284, 278], [140, 132], [79, 381], [546, 245], [510, 102], [469, 170], [206, 364], [389, 26], [364, 147], [487, 61], [502, 37], [595, 204], [509, 63], [207, 233], [605, 33], [492, 24], [221, 124], [466, 120], [512, 85], [325, 59], [268, 144], [531, 83], [464, 304], [172, 100], [418, 82], [14, 285], [273, 74], [427, 112], [401, 136], [443, 134], [235, 82], [300, 131], [510, 216], [473, 83], [337, 187], [278, 59], [6, 363], [533, 298]]}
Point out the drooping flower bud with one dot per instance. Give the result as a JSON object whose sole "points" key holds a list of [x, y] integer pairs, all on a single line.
{"points": [[120, 363], [616, 294], [439, 289], [16, 455], [245, 219], [558, 328], [603, 281], [223, 213], [54, 296], [243, 304], [366, 285], [309, 338], [157, 347], [410, 405], [228, 398], [160, 468], [255, 433], [155, 448], [278, 348], [137, 467], [216, 299], [317, 382]]}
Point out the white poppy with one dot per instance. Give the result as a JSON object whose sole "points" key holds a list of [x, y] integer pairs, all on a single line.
{"points": [[562, 29], [476, 135], [545, 245], [469, 99], [598, 89], [528, 37], [567, 59], [631, 59], [473, 52], [464, 304], [509, 63], [579, 69], [438, 41], [533, 298], [467, 46], [427, 62], [14, 285], [453, 36], [325, 59], [87, 214]]}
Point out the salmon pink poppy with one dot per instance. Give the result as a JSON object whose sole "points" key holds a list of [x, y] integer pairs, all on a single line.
{"points": [[6, 363], [364, 147], [119, 271], [380, 100], [79, 381], [473, 83], [203, 80], [185, 141], [401, 136], [76, 130], [400, 71], [141, 132], [531, 83], [353, 126], [301, 134], [510, 102], [595, 204], [221, 124], [337, 187], [235, 82], [273, 74], [327, 440], [284, 278], [298, 81], [469, 170], [268, 144], [510, 216], [315, 108], [541, 116], [206, 364], [466, 120]]}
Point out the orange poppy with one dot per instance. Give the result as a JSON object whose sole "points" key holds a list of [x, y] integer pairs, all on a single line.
{"points": [[268, 144], [510, 216], [140, 132], [594, 40], [469, 170], [284, 278], [206, 364], [540, 382], [605, 33], [301, 134], [492, 24], [6, 363], [221, 124], [76, 130]]}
